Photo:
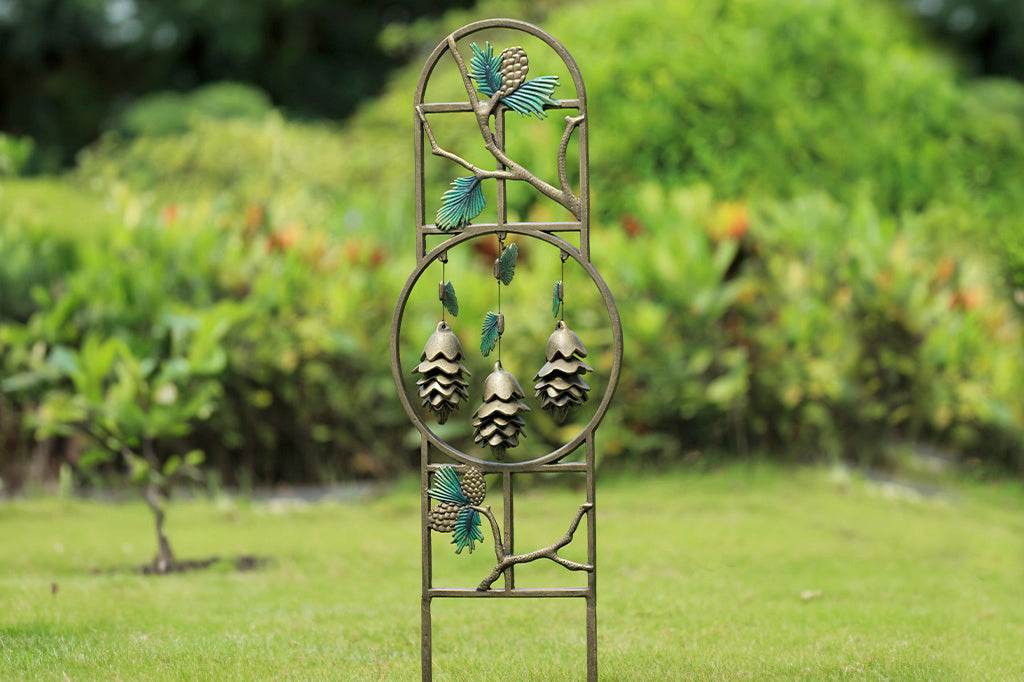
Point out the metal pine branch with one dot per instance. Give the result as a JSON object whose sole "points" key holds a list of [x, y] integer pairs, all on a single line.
{"points": [[549, 552], [515, 171]]}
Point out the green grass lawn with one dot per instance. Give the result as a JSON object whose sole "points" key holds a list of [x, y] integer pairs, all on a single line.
{"points": [[744, 573]]}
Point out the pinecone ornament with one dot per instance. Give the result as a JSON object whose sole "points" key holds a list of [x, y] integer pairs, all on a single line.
{"points": [[562, 388], [443, 516], [474, 486], [498, 423], [442, 385], [514, 67], [453, 512]]}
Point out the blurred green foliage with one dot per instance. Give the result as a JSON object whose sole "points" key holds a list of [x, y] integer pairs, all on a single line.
{"points": [[171, 112], [68, 68], [811, 329], [809, 218]]}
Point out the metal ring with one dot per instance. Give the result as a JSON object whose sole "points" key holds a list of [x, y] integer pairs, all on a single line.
{"points": [[396, 363]]}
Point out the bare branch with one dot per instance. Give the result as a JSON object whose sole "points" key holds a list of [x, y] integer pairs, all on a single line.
{"points": [[549, 552], [570, 124], [499, 551], [437, 150], [483, 111]]}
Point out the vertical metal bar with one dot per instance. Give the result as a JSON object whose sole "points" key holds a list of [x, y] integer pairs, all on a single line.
{"points": [[499, 134], [421, 240], [426, 561], [592, 560], [510, 572], [584, 138], [426, 654]]}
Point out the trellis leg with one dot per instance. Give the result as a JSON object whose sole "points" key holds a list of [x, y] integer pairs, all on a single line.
{"points": [[592, 560], [426, 651]]}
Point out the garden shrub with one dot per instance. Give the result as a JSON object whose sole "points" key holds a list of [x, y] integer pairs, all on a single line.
{"points": [[168, 112], [791, 204], [775, 99], [808, 328], [290, 372]]}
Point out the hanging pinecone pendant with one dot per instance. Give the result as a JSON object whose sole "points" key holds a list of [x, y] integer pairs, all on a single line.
{"points": [[513, 69], [562, 388], [498, 423], [442, 385]]}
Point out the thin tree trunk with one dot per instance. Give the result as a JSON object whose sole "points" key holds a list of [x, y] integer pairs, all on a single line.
{"points": [[165, 556]]}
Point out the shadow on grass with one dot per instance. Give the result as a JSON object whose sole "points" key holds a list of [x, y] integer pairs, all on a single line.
{"points": [[241, 563]]}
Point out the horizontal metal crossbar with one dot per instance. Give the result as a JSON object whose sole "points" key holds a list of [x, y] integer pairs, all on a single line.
{"points": [[487, 228], [452, 107], [553, 467], [465, 592]]}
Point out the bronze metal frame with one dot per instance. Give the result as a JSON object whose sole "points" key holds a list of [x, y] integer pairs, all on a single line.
{"points": [[552, 461]]}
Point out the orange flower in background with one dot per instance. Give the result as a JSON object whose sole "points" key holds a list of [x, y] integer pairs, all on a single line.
{"points": [[945, 269], [254, 217], [353, 251], [169, 214], [738, 221], [731, 220], [283, 239], [967, 299], [378, 256], [632, 225]]}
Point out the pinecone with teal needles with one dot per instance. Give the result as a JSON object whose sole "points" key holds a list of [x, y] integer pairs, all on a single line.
{"points": [[514, 67], [474, 485], [443, 516], [453, 512], [562, 388]]}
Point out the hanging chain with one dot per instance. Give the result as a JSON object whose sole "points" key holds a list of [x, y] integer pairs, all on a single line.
{"points": [[442, 292], [501, 321], [561, 285]]}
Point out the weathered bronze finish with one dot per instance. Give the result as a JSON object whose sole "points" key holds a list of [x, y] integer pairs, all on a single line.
{"points": [[498, 423], [562, 388], [453, 495], [443, 383]]}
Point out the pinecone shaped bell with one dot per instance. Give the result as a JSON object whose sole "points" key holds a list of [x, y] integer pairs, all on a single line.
{"points": [[442, 385], [561, 387], [497, 422], [514, 67]]}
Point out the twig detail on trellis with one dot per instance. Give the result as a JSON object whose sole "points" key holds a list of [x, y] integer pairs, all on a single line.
{"points": [[549, 552], [512, 170]]}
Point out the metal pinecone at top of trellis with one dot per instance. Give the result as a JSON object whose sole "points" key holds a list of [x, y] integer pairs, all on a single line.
{"points": [[498, 423], [562, 388], [514, 67], [442, 385]]}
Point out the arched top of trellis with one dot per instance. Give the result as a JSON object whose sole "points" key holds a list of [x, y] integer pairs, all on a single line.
{"points": [[514, 24], [578, 103]]}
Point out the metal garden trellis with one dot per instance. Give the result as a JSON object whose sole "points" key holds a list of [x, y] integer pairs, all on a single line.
{"points": [[494, 85]]}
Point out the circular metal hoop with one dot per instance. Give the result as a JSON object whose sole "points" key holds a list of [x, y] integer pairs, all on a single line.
{"points": [[396, 360]]}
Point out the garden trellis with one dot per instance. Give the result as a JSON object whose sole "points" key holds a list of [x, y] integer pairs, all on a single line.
{"points": [[454, 482]]}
